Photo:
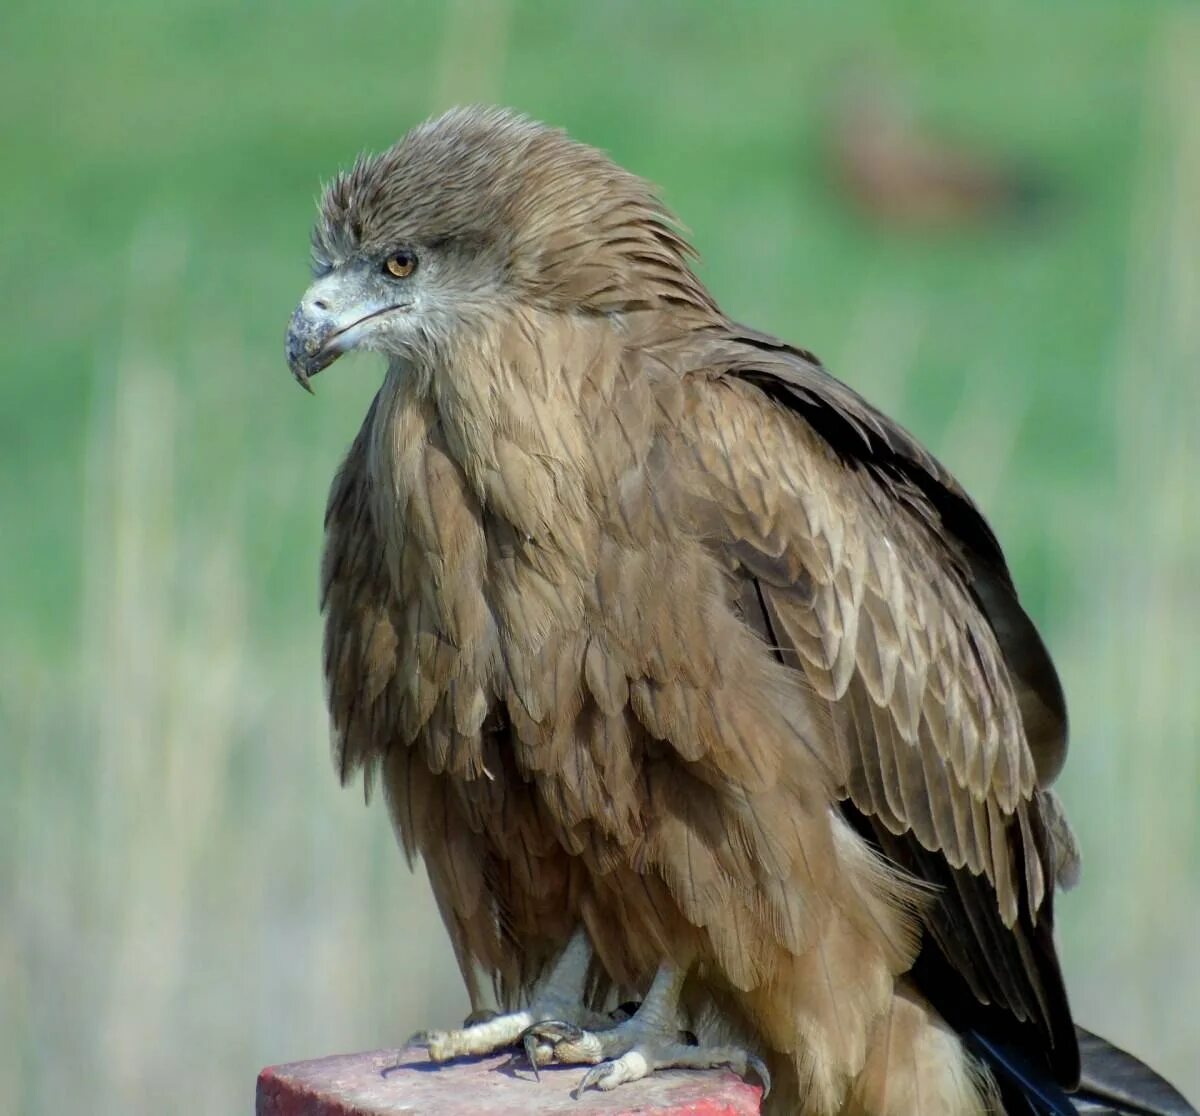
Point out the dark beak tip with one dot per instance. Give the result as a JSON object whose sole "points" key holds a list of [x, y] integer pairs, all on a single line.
{"points": [[301, 348], [298, 369]]}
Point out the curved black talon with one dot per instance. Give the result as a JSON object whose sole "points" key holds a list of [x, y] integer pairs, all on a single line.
{"points": [[529, 1042], [551, 1032], [764, 1075], [591, 1079], [555, 1031]]}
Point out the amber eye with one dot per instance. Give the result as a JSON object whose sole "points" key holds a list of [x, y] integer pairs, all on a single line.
{"points": [[400, 265]]}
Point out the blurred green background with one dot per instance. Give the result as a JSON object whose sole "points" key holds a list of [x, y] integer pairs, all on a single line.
{"points": [[186, 894]]}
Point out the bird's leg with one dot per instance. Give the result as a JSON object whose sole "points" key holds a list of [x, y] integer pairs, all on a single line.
{"points": [[648, 1040], [559, 995]]}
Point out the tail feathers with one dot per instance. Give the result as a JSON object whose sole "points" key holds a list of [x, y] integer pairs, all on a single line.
{"points": [[1117, 1084], [1113, 1083], [1025, 1089]]}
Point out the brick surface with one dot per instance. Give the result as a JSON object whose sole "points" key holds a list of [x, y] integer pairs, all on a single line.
{"points": [[356, 1085]]}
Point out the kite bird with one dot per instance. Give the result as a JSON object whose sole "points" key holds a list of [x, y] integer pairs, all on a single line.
{"points": [[692, 678]]}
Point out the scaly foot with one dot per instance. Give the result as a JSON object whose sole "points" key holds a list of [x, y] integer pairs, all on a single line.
{"points": [[647, 1041], [560, 996]]}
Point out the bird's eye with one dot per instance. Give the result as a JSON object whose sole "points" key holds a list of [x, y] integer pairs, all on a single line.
{"points": [[400, 265]]}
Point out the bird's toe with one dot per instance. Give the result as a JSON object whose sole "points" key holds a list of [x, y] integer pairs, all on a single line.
{"points": [[647, 1057], [554, 1041]]}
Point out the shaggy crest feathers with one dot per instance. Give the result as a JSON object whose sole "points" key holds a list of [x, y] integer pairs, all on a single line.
{"points": [[568, 227]]}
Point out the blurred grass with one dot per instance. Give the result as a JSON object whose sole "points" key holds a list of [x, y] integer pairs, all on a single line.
{"points": [[186, 893]]}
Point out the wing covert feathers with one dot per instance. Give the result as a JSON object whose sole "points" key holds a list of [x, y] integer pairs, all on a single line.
{"points": [[876, 578]]}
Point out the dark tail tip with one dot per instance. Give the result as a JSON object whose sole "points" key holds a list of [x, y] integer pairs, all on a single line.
{"points": [[1114, 1083]]}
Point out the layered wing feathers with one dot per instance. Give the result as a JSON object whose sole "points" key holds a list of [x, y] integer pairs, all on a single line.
{"points": [[869, 570]]}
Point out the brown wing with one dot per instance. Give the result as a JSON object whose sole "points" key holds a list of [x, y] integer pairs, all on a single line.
{"points": [[868, 568]]}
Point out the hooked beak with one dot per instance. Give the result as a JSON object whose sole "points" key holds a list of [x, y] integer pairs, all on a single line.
{"points": [[326, 324]]}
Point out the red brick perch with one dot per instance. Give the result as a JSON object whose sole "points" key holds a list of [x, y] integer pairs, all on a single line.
{"points": [[355, 1085]]}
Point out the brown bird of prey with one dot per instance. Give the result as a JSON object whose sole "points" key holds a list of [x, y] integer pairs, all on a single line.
{"points": [[692, 678]]}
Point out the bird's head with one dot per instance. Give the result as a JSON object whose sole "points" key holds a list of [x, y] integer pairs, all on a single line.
{"points": [[469, 216]]}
